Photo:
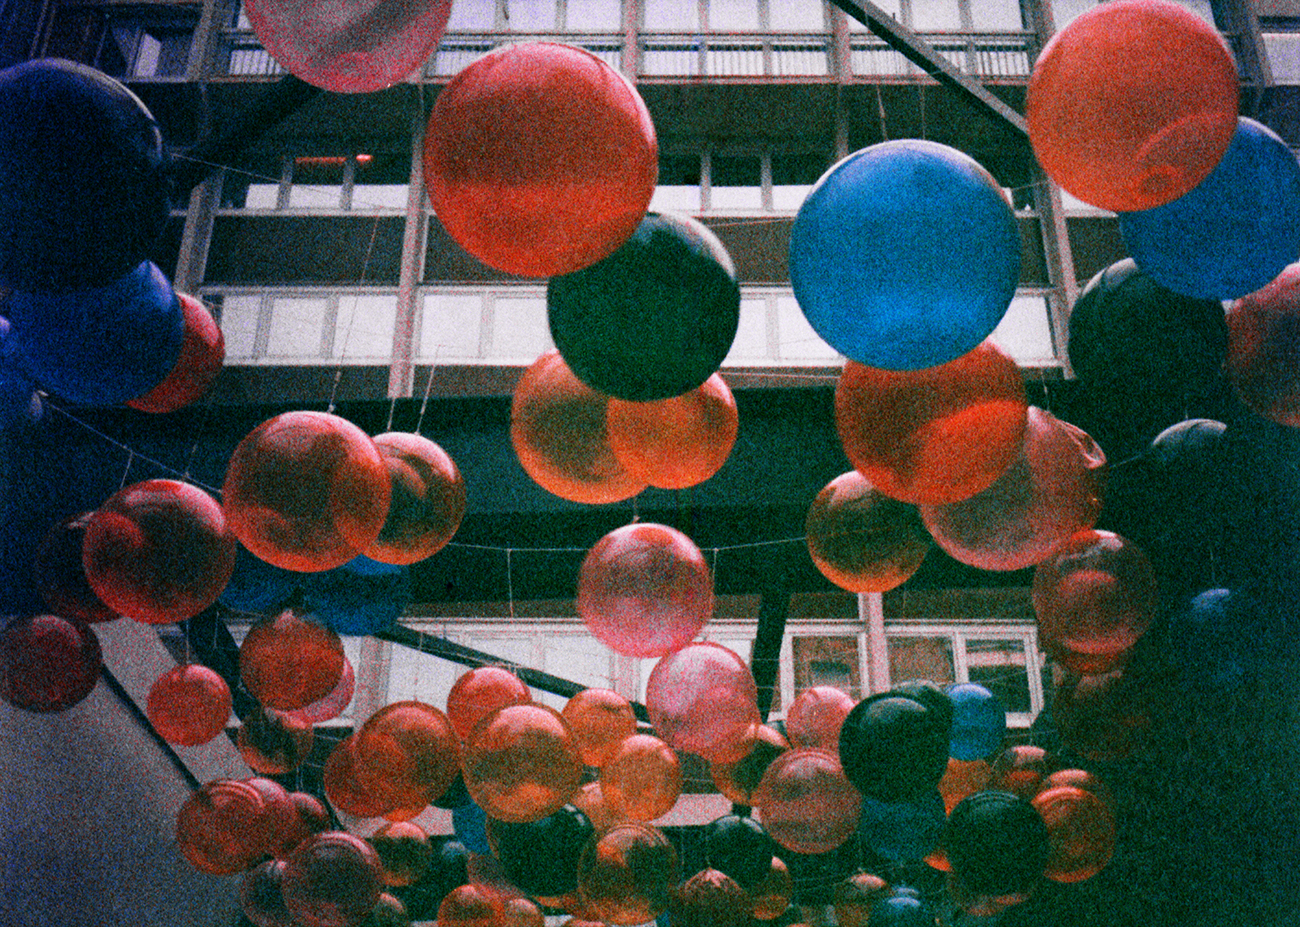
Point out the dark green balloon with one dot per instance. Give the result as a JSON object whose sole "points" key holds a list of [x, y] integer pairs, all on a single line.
{"points": [[894, 745], [541, 857], [997, 843], [654, 319]]}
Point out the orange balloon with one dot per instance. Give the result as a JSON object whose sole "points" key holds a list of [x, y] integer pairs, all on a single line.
{"points": [[344, 787], [1132, 104], [601, 719], [223, 828], [644, 590], [643, 778], [738, 780], [772, 895], [287, 662], [963, 778], [935, 435], [1020, 770], [590, 800], [470, 905], [189, 705], [479, 692], [1080, 779], [710, 899], [856, 896], [1080, 833], [203, 352], [427, 501], [274, 742], [1263, 360], [679, 442], [332, 705], [404, 851], [626, 875], [806, 803], [862, 540], [703, 700], [816, 715], [540, 159], [306, 491], [522, 763], [520, 912], [284, 824], [408, 753]]}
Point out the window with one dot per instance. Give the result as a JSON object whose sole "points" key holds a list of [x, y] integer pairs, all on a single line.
{"points": [[306, 328], [1281, 37], [127, 42], [735, 182], [361, 182]]}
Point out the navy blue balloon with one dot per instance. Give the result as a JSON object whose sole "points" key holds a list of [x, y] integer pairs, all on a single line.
{"points": [[258, 587], [979, 722], [19, 403], [361, 597], [470, 825], [902, 831], [905, 255], [1232, 234], [1218, 643], [98, 345]]}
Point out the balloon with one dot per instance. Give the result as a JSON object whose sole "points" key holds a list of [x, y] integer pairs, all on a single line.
{"points": [[261, 895], [306, 491], [1213, 645], [655, 319], [600, 719], [541, 857], [702, 699], [1102, 717], [332, 705], [905, 255], [772, 895], [520, 912], [979, 722], [739, 846], [256, 587], [82, 190], [737, 780], [901, 911], [644, 590], [159, 551], [997, 844], [479, 692], [407, 752], [404, 852], [856, 897], [331, 880], [963, 778], [470, 825], [350, 47], [1231, 234], [60, 573], [361, 597], [1020, 769], [678, 442], [1080, 833], [558, 430], [223, 828], [287, 662], [936, 435], [1094, 598], [1263, 351], [189, 705], [903, 831], [310, 818], [99, 345], [816, 715], [427, 501], [862, 540], [47, 663], [284, 822], [202, 354], [710, 899], [1052, 491], [894, 747], [540, 159], [805, 802], [446, 871], [1132, 104], [274, 742], [388, 912], [470, 905], [642, 779], [522, 763], [626, 874]]}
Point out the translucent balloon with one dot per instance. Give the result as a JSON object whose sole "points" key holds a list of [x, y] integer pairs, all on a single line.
{"points": [[940, 434], [540, 159], [541, 857], [710, 899], [274, 742], [905, 255], [470, 905], [997, 844], [284, 823], [404, 852], [772, 895], [310, 818], [60, 573], [739, 846], [332, 880], [1263, 352], [645, 590], [47, 663], [1052, 491], [427, 501], [522, 763], [678, 442], [805, 802], [347, 46], [626, 875], [1080, 833], [189, 705], [702, 699], [642, 779], [737, 780], [979, 723], [203, 352], [1020, 769], [388, 912], [856, 896], [558, 430], [590, 800], [261, 897], [894, 747], [407, 752], [1104, 717], [287, 662], [816, 715], [344, 787], [1094, 598], [306, 491], [332, 705], [520, 912], [1132, 104], [655, 319], [223, 827], [479, 692], [600, 719], [862, 540]]}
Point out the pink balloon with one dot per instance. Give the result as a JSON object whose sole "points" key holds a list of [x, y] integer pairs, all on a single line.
{"points": [[703, 700], [815, 717], [806, 803]]}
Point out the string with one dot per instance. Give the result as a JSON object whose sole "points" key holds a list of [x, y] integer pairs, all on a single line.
{"points": [[571, 550], [510, 581], [392, 407], [352, 319], [880, 107], [428, 386]]}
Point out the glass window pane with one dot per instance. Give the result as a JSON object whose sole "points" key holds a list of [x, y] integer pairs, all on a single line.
{"points": [[999, 666], [380, 181], [530, 15], [793, 174], [750, 346], [827, 661], [239, 315], [254, 184], [797, 15], [317, 182], [594, 15], [363, 329], [296, 326], [919, 659], [1025, 332], [1283, 49], [733, 15], [936, 16], [679, 184], [796, 340], [995, 15], [1064, 12], [478, 16], [735, 182], [672, 15], [413, 674], [450, 329], [519, 329]]}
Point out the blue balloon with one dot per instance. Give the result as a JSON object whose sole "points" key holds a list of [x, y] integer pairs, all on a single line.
{"points": [[1218, 643], [1232, 234], [979, 722], [902, 831], [98, 345], [469, 822], [19, 402], [905, 255], [361, 597], [258, 587], [901, 910]]}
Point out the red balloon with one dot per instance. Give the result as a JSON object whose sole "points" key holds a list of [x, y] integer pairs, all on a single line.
{"points": [[344, 787], [936, 435], [1052, 491], [407, 752], [203, 352], [1263, 352], [1133, 104], [287, 662], [737, 780], [261, 897], [816, 715], [601, 719], [1094, 597], [644, 590], [520, 912], [481, 691], [1103, 717], [274, 742], [806, 803], [856, 896], [626, 874], [47, 663], [558, 429], [306, 491], [471, 905], [710, 899], [159, 551], [590, 800], [1080, 833], [962, 779], [310, 818], [427, 501], [679, 442], [522, 763], [862, 540], [642, 780], [540, 159], [405, 853], [332, 880], [60, 573], [189, 705], [772, 896], [283, 821], [1020, 770], [224, 828], [702, 699], [332, 705]]}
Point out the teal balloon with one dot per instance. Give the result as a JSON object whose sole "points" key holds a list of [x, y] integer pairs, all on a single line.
{"points": [[359, 598], [979, 722]]}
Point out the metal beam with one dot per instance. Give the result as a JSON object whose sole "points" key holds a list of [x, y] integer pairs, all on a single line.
{"points": [[765, 658]]}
